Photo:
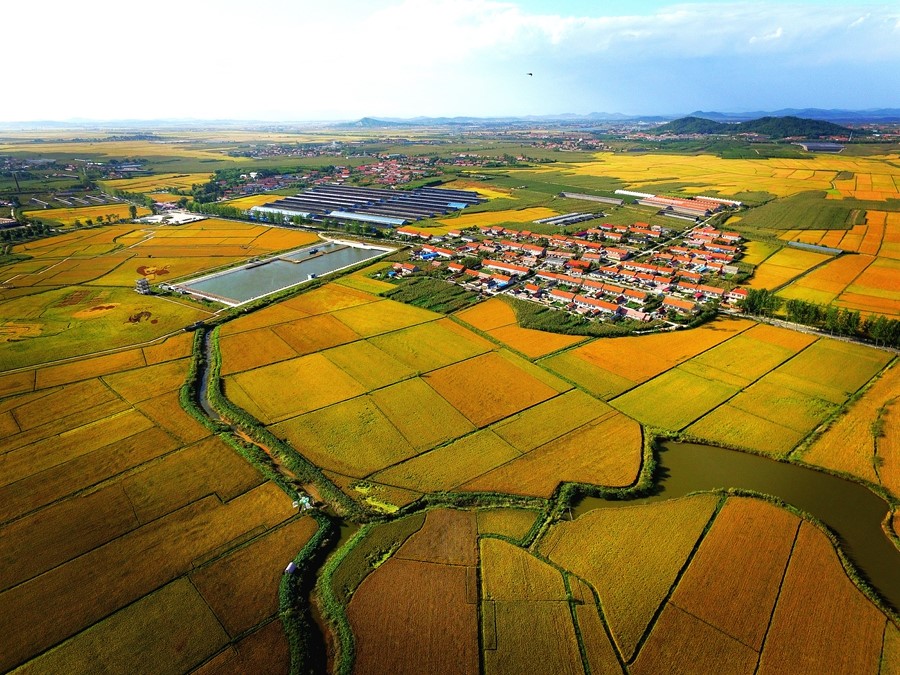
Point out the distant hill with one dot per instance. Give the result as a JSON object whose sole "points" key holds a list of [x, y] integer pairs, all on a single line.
{"points": [[775, 127]]}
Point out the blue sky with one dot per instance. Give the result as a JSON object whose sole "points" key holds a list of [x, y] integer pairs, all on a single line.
{"points": [[290, 60]]}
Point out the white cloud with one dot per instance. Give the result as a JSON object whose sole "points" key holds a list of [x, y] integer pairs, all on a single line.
{"points": [[768, 37]]}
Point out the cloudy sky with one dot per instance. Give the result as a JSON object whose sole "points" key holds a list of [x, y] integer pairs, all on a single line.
{"points": [[344, 59]]}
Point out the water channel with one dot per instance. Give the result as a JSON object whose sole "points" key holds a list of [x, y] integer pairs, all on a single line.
{"points": [[852, 511]]}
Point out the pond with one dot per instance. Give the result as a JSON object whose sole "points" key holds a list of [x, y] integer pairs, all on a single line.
{"points": [[263, 277]]}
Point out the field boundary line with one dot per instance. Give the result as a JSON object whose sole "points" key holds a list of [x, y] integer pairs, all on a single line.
{"points": [[762, 646]]}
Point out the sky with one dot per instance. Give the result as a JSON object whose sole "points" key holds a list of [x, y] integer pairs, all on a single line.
{"points": [[294, 60]]}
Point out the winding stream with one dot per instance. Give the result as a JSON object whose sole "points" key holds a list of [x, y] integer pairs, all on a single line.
{"points": [[851, 510]]}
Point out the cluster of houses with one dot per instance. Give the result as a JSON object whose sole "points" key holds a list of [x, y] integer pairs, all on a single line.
{"points": [[638, 272]]}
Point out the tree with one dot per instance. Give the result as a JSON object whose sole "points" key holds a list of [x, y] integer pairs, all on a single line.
{"points": [[132, 211]]}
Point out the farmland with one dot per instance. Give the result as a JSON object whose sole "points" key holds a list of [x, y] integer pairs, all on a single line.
{"points": [[451, 445]]}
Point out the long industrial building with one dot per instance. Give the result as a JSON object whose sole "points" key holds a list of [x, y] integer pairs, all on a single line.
{"points": [[383, 208]]}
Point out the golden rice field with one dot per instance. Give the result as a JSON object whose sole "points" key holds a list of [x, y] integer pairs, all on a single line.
{"points": [[485, 190], [251, 201], [495, 217], [158, 182], [874, 178], [851, 445], [68, 216], [101, 461], [631, 556], [119, 149], [781, 267]]}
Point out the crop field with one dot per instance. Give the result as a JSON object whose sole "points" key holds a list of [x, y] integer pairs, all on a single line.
{"points": [[488, 388], [530, 633], [783, 266], [756, 252], [513, 523], [250, 201], [527, 215], [68, 216], [631, 556], [875, 289], [608, 367], [851, 445], [826, 283], [847, 632], [382, 316], [708, 174], [158, 182], [438, 624], [89, 479], [362, 281], [746, 551], [498, 320], [484, 189]]}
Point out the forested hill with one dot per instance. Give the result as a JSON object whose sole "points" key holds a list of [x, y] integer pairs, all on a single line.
{"points": [[775, 127]]}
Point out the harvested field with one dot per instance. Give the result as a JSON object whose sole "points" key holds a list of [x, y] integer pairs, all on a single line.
{"points": [[435, 421], [746, 553], [488, 388], [513, 523], [674, 399], [252, 349], [432, 345], [551, 419], [631, 556], [450, 465], [683, 644], [437, 625], [330, 438], [368, 365], [241, 588], [822, 622], [172, 628], [314, 381], [606, 453], [384, 316]]}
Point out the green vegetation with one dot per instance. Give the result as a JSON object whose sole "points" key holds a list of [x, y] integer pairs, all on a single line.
{"points": [[432, 294], [811, 211], [540, 317], [776, 127]]}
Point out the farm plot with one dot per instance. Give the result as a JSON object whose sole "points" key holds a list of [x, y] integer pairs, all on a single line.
{"points": [[610, 366], [383, 316], [315, 382], [513, 523], [163, 181], [437, 625], [55, 325], [846, 633], [368, 365], [330, 438], [745, 552], [829, 281], [631, 556], [68, 216], [875, 289], [781, 267], [252, 349], [488, 388], [432, 345], [518, 590], [776, 412], [606, 452], [852, 444], [496, 217]]}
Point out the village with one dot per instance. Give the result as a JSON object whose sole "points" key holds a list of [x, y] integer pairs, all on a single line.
{"points": [[608, 272]]}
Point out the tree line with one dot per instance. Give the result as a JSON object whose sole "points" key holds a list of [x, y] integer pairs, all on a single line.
{"points": [[835, 320]]}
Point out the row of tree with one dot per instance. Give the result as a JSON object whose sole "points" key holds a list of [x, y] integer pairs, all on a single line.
{"points": [[836, 320]]}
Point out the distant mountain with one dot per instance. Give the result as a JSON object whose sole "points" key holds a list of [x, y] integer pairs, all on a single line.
{"points": [[829, 115], [775, 127]]}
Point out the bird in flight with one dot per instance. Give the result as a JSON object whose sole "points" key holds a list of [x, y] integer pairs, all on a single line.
{"points": [[530, 74]]}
